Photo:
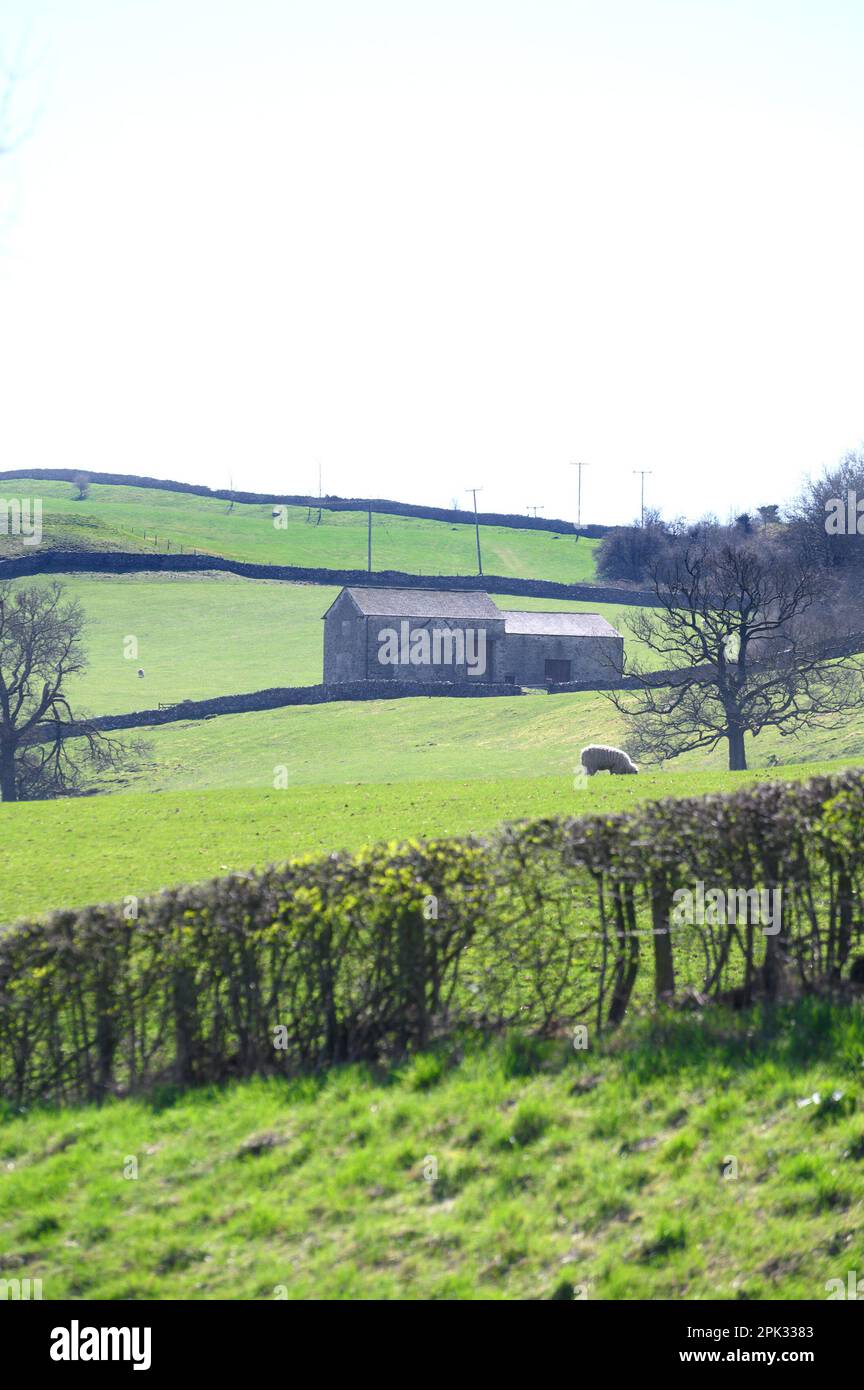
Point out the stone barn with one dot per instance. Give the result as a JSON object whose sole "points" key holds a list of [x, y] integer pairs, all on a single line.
{"points": [[419, 635], [557, 648], [427, 635]]}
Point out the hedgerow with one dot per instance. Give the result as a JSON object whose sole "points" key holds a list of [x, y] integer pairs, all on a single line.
{"points": [[548, 925]]}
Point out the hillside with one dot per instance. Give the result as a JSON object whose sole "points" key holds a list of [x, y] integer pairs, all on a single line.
{"points": [[674, 1164], [113, 517], [355, 773], [556, 1173], [381, 741], [216, 634]]}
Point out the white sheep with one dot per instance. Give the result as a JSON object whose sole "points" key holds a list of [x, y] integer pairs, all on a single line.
{"points": [[597, 757]]}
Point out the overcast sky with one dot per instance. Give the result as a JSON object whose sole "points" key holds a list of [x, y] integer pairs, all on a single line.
{"points": [[436, 245]]}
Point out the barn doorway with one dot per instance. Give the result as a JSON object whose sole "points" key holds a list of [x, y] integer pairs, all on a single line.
{"points": [[557, 672]]}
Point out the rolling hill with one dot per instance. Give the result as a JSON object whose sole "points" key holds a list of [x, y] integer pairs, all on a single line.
{"points": [[113, 517], [555, 1172]]}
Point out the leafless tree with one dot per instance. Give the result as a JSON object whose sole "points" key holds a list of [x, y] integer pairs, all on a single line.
{"points": [[628, 552], [41, 650], [733, 625]]}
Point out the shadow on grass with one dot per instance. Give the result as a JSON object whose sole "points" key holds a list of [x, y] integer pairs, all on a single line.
{"points": [[794, 1034]]}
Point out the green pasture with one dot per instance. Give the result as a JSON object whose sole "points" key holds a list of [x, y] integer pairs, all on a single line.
{"points": [[113, 517], [432, 739], [96, 849]]}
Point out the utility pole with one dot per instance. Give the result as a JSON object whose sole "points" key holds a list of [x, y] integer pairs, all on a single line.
{"points": [[475, 490], [369, 545], [643, 473], [580, 466], [535, 510]]}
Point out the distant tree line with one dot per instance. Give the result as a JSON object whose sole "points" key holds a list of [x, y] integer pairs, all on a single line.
{"points": [[823, 526]]}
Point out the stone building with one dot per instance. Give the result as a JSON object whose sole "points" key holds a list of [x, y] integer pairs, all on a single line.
{"points": [[427, 635]]}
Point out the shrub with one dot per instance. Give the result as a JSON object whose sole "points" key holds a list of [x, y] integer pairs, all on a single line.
{"points": [[541, 926]]}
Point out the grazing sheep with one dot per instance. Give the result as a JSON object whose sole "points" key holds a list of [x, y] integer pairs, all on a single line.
{"points": [[598, 758]]}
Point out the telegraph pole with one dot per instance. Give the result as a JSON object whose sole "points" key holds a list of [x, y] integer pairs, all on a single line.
{"points": [[369, 545], [580, 466], [535, 510], [474, 491], [643, 473]]}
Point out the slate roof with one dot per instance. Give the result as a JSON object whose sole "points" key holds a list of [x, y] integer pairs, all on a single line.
{"points": [[423, 603], [533, 624]]}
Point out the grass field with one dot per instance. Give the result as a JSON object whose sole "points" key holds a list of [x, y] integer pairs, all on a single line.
{"points": [[206, 635], [135, 518], [429, 739], [675, 1164], [73, 852], [197, 637]]}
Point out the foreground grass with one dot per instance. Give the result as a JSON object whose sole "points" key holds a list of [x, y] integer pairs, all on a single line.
{"points": [[135, 518], [605, 1174], [73, 852]]}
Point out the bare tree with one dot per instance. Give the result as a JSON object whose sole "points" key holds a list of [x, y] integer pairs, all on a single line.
{"points": [[733, 626], [82, 482], [629, 552], [45, 750], [812, 518]]}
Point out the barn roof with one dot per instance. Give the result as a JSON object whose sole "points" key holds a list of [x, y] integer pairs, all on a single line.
{"points": [[422, 603], [533, 624]]}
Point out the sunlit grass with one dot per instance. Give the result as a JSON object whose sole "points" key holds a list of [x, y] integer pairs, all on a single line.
{"points": [[506, 1171], [133, 518]]}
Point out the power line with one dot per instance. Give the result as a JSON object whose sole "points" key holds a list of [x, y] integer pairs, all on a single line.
{"points": [[643, 474], [580, 466], [474, 491]]}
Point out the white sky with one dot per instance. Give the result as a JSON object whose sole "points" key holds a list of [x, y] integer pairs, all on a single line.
{"points": [[437, 244]]}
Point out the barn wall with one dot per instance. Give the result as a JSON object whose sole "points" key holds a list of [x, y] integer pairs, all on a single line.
{"points": [[451, 672], [344, 643], [524, 656]]}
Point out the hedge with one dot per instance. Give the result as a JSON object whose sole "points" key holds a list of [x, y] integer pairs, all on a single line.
{"points": [[545, 924]]}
